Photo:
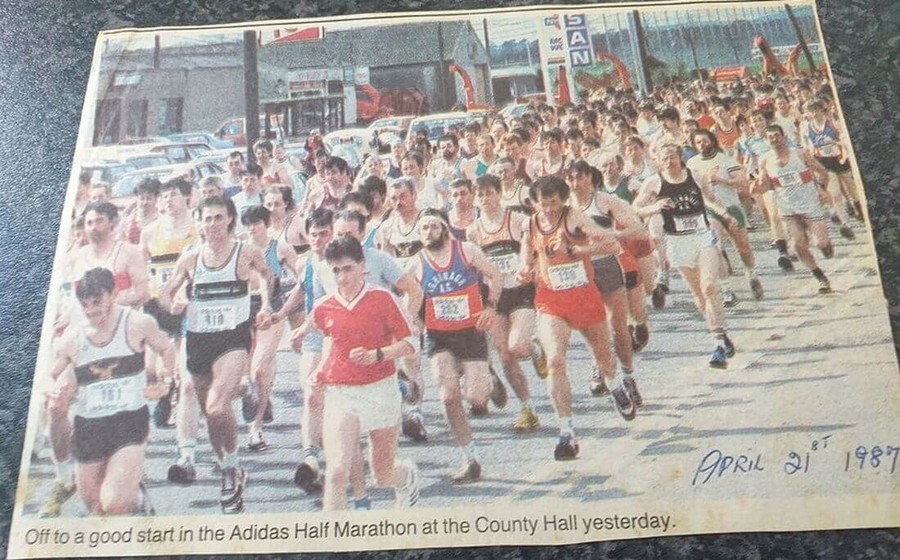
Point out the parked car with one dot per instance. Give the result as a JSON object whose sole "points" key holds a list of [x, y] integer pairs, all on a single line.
{"points": [[234, 130], [193, 171], [140, 161], [348, 143], [181, 152], [397, 126], [439, 123], [107, 172], [202, 137]]}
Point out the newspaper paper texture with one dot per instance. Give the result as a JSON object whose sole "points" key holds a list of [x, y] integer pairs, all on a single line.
{"points": [[765, 401]]}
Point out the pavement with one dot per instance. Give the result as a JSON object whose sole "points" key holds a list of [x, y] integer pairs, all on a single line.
{"points": [[814, 374]]}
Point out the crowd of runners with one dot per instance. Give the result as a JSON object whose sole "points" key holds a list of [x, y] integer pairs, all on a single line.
{"points": [[479, 255]]}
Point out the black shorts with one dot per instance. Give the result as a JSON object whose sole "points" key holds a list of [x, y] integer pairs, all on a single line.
{"points": [[98, 439], [170, 324], [520, 297], [203, 349], [255, 307], [467, 345], [608, 274], [834, 164], [632, 279]]}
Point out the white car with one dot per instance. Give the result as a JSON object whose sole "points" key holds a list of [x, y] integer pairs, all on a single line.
{"points": [[350, 144], [438, 124]]}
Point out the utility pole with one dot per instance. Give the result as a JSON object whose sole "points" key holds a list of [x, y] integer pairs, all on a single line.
{"points": [[251, 92], [644, 80], [809, 58]]}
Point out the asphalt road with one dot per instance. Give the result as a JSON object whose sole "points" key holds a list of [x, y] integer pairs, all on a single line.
{"points": [[807, 366]]}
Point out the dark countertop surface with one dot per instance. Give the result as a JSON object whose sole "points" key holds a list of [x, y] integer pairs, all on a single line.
{"points": [[45, 55]]}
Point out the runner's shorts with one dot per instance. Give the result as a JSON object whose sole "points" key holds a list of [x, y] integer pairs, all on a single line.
{"points": [[98, 439], [736, 212], [511, 299], [684, 250], [203, 349], [170, 324], [376, 405], [608, 274], [580, 307], [466, 345], [834, 164]]}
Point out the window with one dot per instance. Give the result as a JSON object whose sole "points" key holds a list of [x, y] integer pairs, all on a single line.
{"points": [[106, 121], [171, 115], [136, 118]]}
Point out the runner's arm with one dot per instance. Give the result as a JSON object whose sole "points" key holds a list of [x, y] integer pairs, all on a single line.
{"points": [[815, 167], [647, 202], [178, 278], [491, 274], [257, 262], [139, 291], [601, 241], [411, 290]]}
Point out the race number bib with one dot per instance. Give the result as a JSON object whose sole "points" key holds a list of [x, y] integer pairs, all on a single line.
{"points": [[451, 308], [163, 274], [104, 398], [567, 276], [685, 224], [790, 180], [217, 318], [829, 150], [508, 264]]}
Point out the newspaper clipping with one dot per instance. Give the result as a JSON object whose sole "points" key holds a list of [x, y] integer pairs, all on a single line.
{"points": [[533, 276]]}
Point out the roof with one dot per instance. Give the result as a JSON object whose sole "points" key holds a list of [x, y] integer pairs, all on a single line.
{"points": [[404, 43], [383, 45]]}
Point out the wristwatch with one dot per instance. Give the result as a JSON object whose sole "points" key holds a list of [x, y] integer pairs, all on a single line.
{"points": [[379, 355]]}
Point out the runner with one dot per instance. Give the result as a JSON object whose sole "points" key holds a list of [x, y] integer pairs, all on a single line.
{"points": [[557, 252], [455, 323], [281, 260], [376, 190], [498, 231], [273, 171], [479, 164], [610, 270], [359, 376], [231, 179], [716, 171], [218, 323], [792, 174], [690, 242], [400, 238], [462, 211], [337, 184], [163, 241], [555, 159], [249, 195], [515, 192], [101, 364], [143, 213]]}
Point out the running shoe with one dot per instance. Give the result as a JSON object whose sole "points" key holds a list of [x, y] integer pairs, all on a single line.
{"points": [[59, 495], [824, 286], [567, 448], [624, 404], [413, 426], [257, 444], [640, 337], [539, 359], [835, 219], [470, 472], [498, 392], [828, 251], [182, 472], [632, 389], [408, 494], [728, 346], [859, 211], [409, 389], [232, 495], [719, 359], [846, 232], [658, 297], [727, 262], [757, 289], [364, 503], [851, 209], [785, 263], [729, 298], [598, 385], [307, 475], [528, 422], [249, 402], [478, 410]]}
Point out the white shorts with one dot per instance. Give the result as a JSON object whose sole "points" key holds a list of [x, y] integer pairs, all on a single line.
{"points": [[377, 405], [684, 250]]}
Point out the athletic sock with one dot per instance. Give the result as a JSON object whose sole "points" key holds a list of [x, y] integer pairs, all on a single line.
{"points": [[469, 452], [817, 272], [229, 460], [188, 449], [65, 471], [526, 404], [751, 273], [628, 371], [566, 426]]}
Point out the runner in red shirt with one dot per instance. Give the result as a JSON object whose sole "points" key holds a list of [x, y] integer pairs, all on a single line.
{"points": [[367, 331]]}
